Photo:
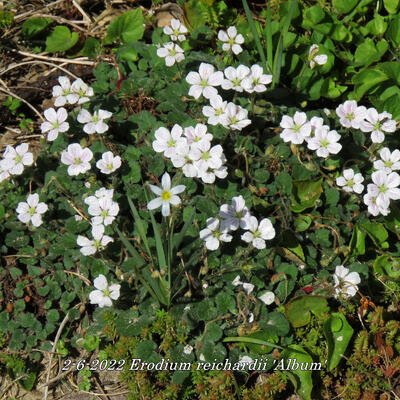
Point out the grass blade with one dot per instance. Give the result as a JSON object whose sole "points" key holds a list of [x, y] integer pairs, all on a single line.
{"points": [[159, 246], [243, 339], [254, 31], [268, 38], [140, 226], [279, 50], [179, 237]]}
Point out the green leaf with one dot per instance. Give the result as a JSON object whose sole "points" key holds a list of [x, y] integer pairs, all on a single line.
{"points": [[357, 242], [366, 53], [344, 6], [284, 182], [299, 310], [61, 39], [16, 239], [290, 242], [393, 32], [392, 6], [366, 80], [275, 322], [225, 303], [338, 333], [377, 232], [303, 377], [302, 223], [377, 26], [53, 316], [127, 27], [91, 48], [305, 194], [388, 266], [312, 15], [145, 349], [33, 26]]}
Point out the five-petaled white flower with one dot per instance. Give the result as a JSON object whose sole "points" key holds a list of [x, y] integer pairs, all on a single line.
{"points": [[176, 30], [216, 110], [237, 281], [235, 117], [257, 233], [351, 182], [56, 123], [315, 58], [167, 195], [77, 158], [213, 235], [384, 187], [234, 78], [94, 123], [389, 162], [204, 81], [188, 349], [32, 210], [350, 115], [345, 282], [100, 240], [267, 298], [324, 142], [167, 142], [108, 163], [232, 40], [83, 91], [172, 53], [197, 134], [63, 93], [234, 215], [104, 293], [377, 124], [244, 361], [256, 80], [14, 160], [373, 208], [103, 210], [295, 129], [248, 287]]}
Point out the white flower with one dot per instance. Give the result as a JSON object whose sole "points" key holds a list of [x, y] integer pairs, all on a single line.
{"points": [[258, 233], [248, 287], [32, 210], [314, 59], [237, 281], [208, 174], [377, 124], [256, 80], [206, 156], [188, 349], [350, 115], [176, 31], [197, 134], [3, 173], [373, 208], [389, 162], [14, 160], [267, 298], [103, 210], [232, 40], [351, 182], [167, 142], [384, 187], [55, 123], [77, 158], [182, 160], [90, 247], [245, 360], [345, 282], [235, 117], [83, 91], [235, 77], [105, 293], [167, 195], [213, 235], [325, 142], [295, 129], [63, 93], [172, 53], [234, 215], [251, 318], [108, 163], [98, 194], [94, 123], [215, 110], [203, 82]]}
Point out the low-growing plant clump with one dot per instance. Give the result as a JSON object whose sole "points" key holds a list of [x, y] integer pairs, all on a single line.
{"points": [[215, 215]]}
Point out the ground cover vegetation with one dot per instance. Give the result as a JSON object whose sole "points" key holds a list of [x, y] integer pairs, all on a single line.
{"points": [[219, 190]]}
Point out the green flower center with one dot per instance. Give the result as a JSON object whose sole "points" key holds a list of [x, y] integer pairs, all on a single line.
{"points": [[107, 292], [219, 111], [350, 183], [95, 118], [350, 116], [204, 83], [77, 161], [97, 244], [109, 166], [388, 164], [217, 234], [171, 143], [324, 143], [231, 41], [172, 52], [239, 214], [206, 156], [166, 195], [256, 234], [104, 213], [382, 189], [296, 128], [377, 126], [32, 210]]}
